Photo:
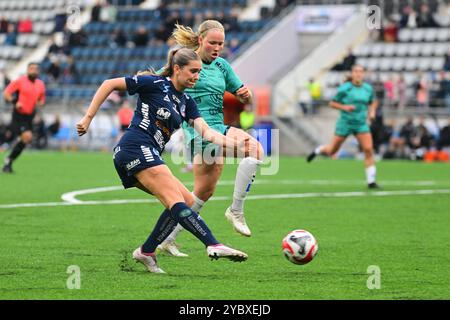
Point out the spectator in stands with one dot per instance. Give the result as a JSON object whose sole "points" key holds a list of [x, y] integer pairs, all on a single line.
{"points": [[162, 10], [422, 92], [444, 136], [119, 39], [78, 39], [141, 37], [70, 73], [25, 25], [447, 61], [54, 49], [4, 25], [54, 70], [231, 23], [188, 18], [125, 114], [96, 11], [2, 79], [233, 48], [315, 92], [425, 19], [161, 35], [60, 19], [390, 92], [390, 31], [247, 118], [408, 132], [396, 144], [401, 89], [39, 133], [171, 20], [11, 36], [108, 13], [348, 61], [408, 18], [445, 88], [280, 5], [53, 128]]}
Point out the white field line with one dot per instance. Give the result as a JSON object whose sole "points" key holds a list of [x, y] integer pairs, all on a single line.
{"points": [[71, 196], [251, 197]]}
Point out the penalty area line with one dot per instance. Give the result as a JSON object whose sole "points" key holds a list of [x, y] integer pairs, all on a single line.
{"points": [[251, 197]]}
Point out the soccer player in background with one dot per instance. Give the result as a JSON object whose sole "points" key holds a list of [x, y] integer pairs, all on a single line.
{"points": [[25, 93], [216, 77], [161, 109], [357, 104]]}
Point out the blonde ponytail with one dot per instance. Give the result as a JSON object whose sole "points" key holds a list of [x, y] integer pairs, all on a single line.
{"points": [[188, 38]]}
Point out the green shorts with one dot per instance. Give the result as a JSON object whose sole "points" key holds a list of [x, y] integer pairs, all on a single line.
{"points": [[346, 128], [198, 145]]}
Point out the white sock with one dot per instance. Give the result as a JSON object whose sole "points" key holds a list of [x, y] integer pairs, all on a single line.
{"points": [[198, 203], [245, 176], [197, 206], [371, 173], [318, 150]]}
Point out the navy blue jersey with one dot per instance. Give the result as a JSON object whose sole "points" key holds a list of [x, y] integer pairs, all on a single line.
{"points": [[161, 109]]}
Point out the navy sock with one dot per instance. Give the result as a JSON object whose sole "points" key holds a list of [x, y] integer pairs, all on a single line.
{"points": [[163, 228], [16, 150], [193, 223]]}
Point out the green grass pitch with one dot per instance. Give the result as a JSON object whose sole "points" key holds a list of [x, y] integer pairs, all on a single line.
{"points": [[406, 235]]}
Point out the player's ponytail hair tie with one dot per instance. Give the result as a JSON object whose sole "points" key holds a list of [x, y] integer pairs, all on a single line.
{"points": [[188, 38], [180, 57]]}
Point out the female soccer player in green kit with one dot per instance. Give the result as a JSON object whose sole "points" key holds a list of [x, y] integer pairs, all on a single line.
{"points": [[356, 102], [216, 77]]}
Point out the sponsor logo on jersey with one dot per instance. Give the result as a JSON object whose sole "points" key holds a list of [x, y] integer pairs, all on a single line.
{"points": [[163, 114], [133, 164], [145, 119], [175, 98], [159, 139], [147, 154], [116, 150], [166, 98]]}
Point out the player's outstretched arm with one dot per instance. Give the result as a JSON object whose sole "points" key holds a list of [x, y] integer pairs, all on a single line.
{"points": [[100, 96], [241, 147]]}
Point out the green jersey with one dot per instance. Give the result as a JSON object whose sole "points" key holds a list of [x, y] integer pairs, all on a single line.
{"points": [[359, 96], [215, 78]]}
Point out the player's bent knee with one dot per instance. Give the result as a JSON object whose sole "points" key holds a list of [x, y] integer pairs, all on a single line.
{"points": [[189, 199], [27, 137]]}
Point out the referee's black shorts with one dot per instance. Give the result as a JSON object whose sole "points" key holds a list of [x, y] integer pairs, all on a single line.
{"points": [[21, 123]]}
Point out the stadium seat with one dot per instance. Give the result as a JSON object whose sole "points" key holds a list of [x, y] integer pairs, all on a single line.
{"points": [[405, 35], [414, 49]]}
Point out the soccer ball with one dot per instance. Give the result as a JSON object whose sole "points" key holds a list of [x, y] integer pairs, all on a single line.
{"points": [[300, 246]]}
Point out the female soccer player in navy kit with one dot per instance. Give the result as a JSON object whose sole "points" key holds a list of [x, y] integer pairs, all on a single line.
{"points": [[161, 108]]}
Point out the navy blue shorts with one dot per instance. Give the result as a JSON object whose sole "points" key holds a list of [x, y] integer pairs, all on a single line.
{"points": [[133, 154]]}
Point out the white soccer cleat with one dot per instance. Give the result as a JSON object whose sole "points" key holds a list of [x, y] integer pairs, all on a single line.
{"points": [[220, 251], [238, 221], [171, 248], [148, 260]]}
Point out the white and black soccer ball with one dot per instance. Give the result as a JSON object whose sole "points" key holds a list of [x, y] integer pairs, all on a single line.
{"points": [[300, 246]]}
